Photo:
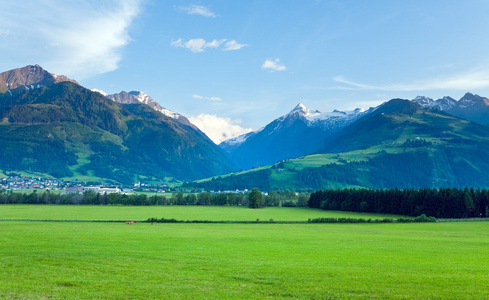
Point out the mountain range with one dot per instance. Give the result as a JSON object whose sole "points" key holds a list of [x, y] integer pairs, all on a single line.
{"points": [[300, 132], [304, 131], [399, 144], [51, 125]]}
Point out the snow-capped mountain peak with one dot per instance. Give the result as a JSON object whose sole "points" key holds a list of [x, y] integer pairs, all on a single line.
{"points": [[447, 103], [142, 97], [329, 122], [302, 110], [423, 101], [146, 99], [471, 107]]}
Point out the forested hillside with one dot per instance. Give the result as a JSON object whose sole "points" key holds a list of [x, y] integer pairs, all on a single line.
{"points": [[65, 130]]}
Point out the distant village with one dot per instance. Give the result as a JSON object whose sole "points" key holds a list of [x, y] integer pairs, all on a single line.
{"points": [[19, 183]]}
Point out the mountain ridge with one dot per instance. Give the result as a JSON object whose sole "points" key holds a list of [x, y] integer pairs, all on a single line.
{"points": [[65, 130], [136, 97], [252, 149], [29, 77], [301, 131], [471, 107], [400, 144]]}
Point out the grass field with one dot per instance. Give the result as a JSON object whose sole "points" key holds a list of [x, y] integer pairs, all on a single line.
{"points": [[41, 260], [212, 213]]}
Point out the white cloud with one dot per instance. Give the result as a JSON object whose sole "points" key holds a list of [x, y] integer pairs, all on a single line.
{"points": [[218, 129], [199, 45], [472, 79], [100, 92], [198, 10], [233, 45], [206, 98], [274, 65], [214, 43], [75, 38]]}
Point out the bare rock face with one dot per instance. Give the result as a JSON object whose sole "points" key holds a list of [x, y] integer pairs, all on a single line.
{"points": [[123, 98], [136, 97], [29, 77]]}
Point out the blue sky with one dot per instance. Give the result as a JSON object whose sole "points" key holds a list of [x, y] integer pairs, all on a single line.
{"points": [[236, 65]]}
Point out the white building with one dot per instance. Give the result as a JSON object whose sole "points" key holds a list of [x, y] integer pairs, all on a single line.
{"points": [[98, 189]]}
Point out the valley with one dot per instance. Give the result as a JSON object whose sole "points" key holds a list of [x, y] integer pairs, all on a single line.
{"points": [[244, 149], [54, 128]]}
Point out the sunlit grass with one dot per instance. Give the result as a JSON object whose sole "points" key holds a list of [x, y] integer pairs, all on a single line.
{"points": [[229, 261], [213, 213]]}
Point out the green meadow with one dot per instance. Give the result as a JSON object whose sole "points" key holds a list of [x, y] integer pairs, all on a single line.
{"points": [[86, 260], [140, 213]]}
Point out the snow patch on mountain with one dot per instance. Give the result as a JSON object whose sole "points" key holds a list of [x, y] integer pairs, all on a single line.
{"points": [[242, 138], [446, 103], [330, 121], [145, 99]]}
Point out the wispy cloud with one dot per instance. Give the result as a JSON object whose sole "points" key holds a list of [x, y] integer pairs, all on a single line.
{"points": [[472, 79], [233, 45], [273, 65], [75, 38], [199, 45], [4, 32], [219, 129], [206, 98], [197, 10]]}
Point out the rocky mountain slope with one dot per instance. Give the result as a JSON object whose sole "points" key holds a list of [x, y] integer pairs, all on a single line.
{"points": [[136, 97], [29, 77]]}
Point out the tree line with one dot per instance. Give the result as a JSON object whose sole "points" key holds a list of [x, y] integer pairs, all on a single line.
{"points": [[439, 203], [274, 198]]}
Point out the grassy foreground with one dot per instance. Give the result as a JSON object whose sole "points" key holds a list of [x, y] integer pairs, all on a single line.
{"points": [[233, 261], [226, 261], [213, 213]]}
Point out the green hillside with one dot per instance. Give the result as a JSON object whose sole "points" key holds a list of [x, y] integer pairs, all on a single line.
{"points": [[66, 131], [400, 145]]}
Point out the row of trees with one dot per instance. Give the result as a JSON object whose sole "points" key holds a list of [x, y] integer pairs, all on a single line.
{"points": [[274, 198], [440, 203]]}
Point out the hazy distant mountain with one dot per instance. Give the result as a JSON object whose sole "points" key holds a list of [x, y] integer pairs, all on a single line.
{"points": [[65, 130], [399, 144], [29, 77], [470, 107], [302, 131], [442, 104]]}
